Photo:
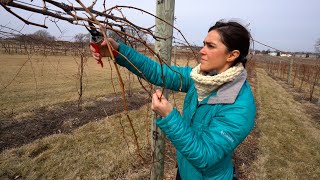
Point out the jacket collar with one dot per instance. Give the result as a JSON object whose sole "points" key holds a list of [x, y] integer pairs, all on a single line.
{"points": [[228, 93]]}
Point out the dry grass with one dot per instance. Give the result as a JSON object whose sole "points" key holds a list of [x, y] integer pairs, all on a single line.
{"points": [[45, 81], [288, 143], [289, 140], [95, 151], [103, 149], [305, 87]]}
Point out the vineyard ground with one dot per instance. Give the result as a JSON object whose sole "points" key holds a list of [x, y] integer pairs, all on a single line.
{"points": [[288, 141], [311, 107], [24, 128], [39, 111], [93, 144]]}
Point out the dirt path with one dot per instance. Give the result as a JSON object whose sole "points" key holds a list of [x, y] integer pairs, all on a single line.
{"points": [[19, 129]]}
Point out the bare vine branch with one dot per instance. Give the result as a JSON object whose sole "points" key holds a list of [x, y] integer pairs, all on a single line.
{"points": [[106, 22], [19, 17]]}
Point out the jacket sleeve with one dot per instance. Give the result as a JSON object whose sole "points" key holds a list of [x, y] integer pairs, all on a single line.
{"points": [[152, 71], [204, 150]]}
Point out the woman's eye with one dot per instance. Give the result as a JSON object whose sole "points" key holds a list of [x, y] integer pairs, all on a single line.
{"points": [[208, 45]]}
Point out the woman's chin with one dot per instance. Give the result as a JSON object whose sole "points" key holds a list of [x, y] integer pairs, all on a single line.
{"points": [[206, 69], [203, 68]]}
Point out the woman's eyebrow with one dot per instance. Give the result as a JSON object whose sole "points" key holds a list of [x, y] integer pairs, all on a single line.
{"points": [[207, 42]]}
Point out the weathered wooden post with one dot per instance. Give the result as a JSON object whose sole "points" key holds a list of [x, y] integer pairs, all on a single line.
{"points": [[165, 11], [290, 71], [80, 81], [279, 69], [175, 55]]}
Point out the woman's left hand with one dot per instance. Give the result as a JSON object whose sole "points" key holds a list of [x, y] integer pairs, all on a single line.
{"points": [[160, 104]]}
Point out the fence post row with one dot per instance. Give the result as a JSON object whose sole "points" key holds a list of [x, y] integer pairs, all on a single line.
{"points": [[26, 47], [305, 76]]}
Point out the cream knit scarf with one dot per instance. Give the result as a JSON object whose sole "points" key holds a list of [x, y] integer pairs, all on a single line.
{"points": [[206, 84]]}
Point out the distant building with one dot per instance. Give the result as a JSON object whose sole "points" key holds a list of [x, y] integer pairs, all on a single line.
{"points": [[306, 55], [273, 53], [313, 56], [302, 55], [285, 55]]}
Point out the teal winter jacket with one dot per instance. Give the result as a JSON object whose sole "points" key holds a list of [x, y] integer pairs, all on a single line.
{"points": [[207, 132]]}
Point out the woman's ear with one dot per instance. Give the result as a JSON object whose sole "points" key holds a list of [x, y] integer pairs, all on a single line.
{"points": [[233, 55]]}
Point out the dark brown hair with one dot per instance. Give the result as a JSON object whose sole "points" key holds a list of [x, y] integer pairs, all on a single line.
{"points": [[235, 37]]}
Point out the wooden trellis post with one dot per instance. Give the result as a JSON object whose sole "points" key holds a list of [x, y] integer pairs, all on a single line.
{"points": [[165, 11], [175, 55], [290, 71]]}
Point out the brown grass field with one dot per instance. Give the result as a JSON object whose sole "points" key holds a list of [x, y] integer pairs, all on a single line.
{"points": [[45, 136]]}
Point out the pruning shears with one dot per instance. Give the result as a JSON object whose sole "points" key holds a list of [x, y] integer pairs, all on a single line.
{"points": [[96, 39]]}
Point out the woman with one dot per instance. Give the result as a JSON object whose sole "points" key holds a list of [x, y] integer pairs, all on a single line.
{"points": [[219, 108]]}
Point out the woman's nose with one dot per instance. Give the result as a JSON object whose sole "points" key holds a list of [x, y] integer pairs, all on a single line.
{"points": [[202, 51]]}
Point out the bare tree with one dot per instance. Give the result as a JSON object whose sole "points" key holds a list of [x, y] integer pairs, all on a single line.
{"points": [[43, 35], [40, 35], [82, 38]]}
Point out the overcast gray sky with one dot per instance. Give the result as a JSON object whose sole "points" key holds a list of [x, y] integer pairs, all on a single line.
{"points": [[289, 25]]}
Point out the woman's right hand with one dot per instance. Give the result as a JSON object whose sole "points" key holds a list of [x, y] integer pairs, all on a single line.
{"points": [[103, 49]]}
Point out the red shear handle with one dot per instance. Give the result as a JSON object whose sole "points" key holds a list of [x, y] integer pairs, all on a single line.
{"points": [[96, 48]]}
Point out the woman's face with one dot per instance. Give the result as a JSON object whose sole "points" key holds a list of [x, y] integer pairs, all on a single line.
{"points": [[214, 54]]}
